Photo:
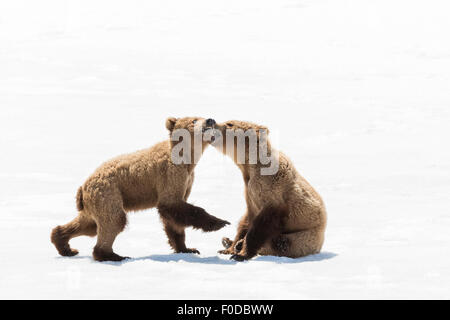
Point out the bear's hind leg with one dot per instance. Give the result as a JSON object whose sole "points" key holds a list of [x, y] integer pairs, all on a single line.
{"points": [[266, 225], [82, 225], [176, 237], [109, 226], [296, 244]]}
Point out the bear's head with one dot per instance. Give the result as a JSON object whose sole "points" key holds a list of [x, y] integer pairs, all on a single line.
{"points": [[190, 133], [241, 140], [189, 123]]}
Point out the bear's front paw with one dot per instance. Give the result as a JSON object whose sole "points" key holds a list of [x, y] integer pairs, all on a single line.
{"points": [[227, 251], [239, 257], [189, 250], [230, 249], [215, 225]]}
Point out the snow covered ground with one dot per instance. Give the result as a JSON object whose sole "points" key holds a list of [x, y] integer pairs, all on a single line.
{"points": [[356, 92]]}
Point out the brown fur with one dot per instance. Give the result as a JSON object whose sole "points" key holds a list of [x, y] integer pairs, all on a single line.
{"points": [[285, 215], [79, 199], [137, 181]]}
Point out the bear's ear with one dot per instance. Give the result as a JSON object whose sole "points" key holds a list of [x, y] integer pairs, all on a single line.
{"points": [[170, 123]]}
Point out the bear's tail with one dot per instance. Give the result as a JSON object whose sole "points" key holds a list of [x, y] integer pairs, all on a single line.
{"points": [[80, 205]]}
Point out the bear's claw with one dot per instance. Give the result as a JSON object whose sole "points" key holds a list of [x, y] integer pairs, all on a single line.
{"points": [[226, 242]]}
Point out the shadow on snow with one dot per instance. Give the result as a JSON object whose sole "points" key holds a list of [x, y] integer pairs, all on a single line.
{"points": [[192, 258]]}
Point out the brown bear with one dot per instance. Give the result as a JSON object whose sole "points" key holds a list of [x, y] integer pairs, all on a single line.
{"points": [[285, 215], [141, 180]]}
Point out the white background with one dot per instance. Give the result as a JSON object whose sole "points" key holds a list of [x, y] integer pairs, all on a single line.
{"points": [[356, 92]]}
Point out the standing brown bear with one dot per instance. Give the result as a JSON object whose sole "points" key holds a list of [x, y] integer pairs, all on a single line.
{"points": [[285, 215], [141, 180]]}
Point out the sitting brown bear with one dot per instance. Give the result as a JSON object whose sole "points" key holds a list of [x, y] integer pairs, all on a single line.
{"points": [[144, 179], [285, 215]]}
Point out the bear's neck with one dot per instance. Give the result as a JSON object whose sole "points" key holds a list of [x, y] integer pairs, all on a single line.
{"points": [[251, 170], [194, 159]]}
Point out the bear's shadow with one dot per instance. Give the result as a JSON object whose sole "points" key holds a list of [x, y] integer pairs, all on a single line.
{"points": [[192, 258]]}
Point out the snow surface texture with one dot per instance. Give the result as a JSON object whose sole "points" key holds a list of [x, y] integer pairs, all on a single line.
{"points": [[355, 92]]}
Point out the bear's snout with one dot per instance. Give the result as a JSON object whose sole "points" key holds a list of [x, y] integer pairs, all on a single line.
{"points": [[210, 122]]}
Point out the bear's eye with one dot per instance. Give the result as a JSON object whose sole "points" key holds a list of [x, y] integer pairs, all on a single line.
{"points": [[229, 125], [194, 122]]}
